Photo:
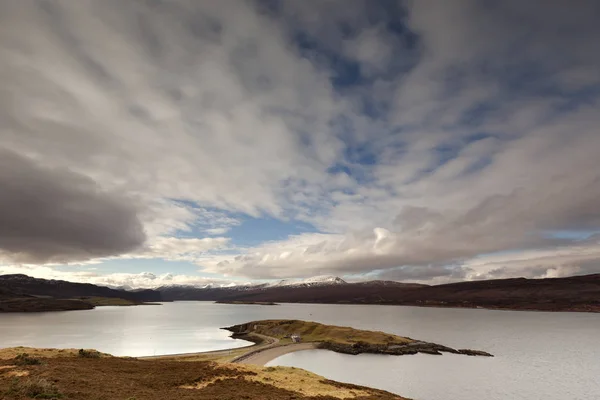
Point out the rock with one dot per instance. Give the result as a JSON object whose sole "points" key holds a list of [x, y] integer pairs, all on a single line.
{"points": [[397, 349], [430, 351], [469, 352]]}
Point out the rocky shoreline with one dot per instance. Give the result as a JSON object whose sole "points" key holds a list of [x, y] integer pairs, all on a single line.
{"points": [[251, 303], [398, 350]]}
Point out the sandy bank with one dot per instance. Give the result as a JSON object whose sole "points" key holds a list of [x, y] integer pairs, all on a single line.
{"points": [[261, 357], [257, 354], [260, 342]]}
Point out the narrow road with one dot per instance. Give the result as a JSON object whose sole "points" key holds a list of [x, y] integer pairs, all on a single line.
{"points": [[263, 356], [257, 354], [268, 342]]}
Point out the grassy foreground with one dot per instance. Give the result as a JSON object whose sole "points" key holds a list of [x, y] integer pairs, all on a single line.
{"points": [[89, 375]]}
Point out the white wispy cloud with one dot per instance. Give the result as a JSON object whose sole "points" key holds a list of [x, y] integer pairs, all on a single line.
{"points": [[415, 136]]}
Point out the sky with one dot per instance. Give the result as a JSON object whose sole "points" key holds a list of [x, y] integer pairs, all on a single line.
{"points": [[148, 143]]}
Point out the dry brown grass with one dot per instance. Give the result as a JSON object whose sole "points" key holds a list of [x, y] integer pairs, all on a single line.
{"points": [[35, 388], [12, 371], [66, 376], [12, 352]]}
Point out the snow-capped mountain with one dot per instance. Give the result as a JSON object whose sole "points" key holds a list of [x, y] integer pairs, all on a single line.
{"points": [[323, 280], [226, 290], [220, 285]]}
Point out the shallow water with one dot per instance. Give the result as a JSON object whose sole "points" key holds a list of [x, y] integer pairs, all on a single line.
{"points": [[548, 356]]}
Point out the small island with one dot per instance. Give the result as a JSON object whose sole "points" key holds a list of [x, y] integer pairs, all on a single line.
{"points": [[253, 303]]}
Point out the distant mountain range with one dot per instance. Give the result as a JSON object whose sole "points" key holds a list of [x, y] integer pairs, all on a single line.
{"points": [[325, 280], [577, 293]]}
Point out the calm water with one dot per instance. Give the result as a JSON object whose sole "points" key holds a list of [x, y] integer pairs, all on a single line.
{"points": [[548, 356]]}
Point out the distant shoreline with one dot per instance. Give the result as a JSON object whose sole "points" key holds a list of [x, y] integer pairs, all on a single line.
{"points": [[252, 303], [21, 293], [33, 304]]}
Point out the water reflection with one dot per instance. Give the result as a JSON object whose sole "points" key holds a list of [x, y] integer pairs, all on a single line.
{"points": [[550, 356], [123, 331]]}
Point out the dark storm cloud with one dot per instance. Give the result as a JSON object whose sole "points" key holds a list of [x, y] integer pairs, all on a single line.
{"points": [[52, 215]]}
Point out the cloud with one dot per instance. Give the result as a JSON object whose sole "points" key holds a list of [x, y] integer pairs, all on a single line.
{"points": [[178, 249], [149, 280], [191, 102], [54, 215], [416, 137], [142, 280], [430, 274], [323, 254], [578, 258], [216, 231]]}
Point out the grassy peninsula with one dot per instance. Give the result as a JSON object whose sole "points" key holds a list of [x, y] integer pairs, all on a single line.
{"points": [[343, 339]]}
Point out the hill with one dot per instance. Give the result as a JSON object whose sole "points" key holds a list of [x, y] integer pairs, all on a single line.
{"points": [[577, 293], [18, 284], [22, 293]]}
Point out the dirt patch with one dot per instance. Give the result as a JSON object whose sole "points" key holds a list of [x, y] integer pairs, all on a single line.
{"points": [[17, 373], [11, 371]]}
